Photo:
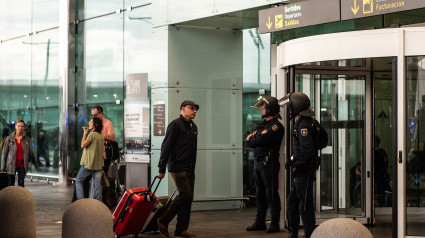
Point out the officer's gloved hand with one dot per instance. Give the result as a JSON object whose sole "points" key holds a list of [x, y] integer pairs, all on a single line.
{"points": [[289, 163]]}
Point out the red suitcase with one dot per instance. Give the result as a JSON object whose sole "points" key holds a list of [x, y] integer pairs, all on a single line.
{"points": [[133, 209]]}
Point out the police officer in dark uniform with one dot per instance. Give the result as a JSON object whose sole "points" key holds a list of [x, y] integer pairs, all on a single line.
{"points": [[303, 164], [266, 140]]}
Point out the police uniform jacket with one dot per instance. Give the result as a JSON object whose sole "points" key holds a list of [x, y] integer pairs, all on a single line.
{"points": [[267, 138], [304, 141], [179, 147]]}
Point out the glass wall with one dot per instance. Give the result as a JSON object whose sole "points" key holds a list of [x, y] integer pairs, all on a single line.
{"points": [[256, 77], [29, 76], [415, 142], [111, 44], [112, 40]]}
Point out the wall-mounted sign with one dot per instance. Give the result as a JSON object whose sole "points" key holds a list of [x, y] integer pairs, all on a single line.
{"points": [[136, 115], [136, 86], [159, 118], [298, 14], [351, 9]]}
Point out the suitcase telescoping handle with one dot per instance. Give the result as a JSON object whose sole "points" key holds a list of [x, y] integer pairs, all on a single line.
{"points": [[150, 187], [171, 197]]}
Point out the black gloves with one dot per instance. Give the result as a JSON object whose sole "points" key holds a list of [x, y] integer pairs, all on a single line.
{"points": [[288, 164]]}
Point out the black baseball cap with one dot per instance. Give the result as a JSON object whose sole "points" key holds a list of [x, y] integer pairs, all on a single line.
{"points": [[189, 103]]}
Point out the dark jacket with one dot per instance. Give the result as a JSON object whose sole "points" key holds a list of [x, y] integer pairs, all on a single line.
{"points": [[269, 141], [8, 161], [179, 147], [304, 149]]}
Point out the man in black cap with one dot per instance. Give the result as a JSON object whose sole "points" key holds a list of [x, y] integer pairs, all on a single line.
{"points": [[178, 151], [265, 141]]}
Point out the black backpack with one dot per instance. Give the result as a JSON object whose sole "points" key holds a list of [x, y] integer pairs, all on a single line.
{"points": [[319, 134], [112, 151]]}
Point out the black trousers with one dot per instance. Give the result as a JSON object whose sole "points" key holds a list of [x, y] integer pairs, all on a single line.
{"points": [[300, 202], [182, 204], [266, 190]]}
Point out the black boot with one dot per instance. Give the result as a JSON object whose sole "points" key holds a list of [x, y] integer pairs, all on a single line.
{"points": [[307, 236], [257, 226], [274, 227], [292, 233]]}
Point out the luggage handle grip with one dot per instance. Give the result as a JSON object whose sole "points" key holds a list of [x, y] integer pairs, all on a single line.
{"points": [[150, 187]]}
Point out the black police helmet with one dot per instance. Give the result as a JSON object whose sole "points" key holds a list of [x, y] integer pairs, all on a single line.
{"points": [[271, 105], [297, 103]]}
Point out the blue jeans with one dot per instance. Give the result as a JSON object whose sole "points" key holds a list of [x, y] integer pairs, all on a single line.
{"points": [[95, 181], [21, 177]]}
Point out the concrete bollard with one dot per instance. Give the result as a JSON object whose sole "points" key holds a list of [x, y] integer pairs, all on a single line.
{"points": [[17, 213], [341, 227], [87, 218]]}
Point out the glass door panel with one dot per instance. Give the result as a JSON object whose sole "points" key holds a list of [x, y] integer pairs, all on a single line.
{"points": [[339, 101], [415, 143]]}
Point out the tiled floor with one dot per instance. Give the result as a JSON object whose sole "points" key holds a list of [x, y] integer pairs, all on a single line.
{"points": [[52, 201]]}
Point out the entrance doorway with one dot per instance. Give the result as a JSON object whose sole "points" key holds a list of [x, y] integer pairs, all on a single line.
{"points": [[403, 104], [337, 90], [352, 100]]}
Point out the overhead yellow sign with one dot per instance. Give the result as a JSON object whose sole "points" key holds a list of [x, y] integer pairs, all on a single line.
{"points": [[298, 14], [351, 9]]}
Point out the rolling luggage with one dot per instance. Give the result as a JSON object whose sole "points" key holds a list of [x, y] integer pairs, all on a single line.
{"points": [[109, 195], [133, 210], [120, 179], [158, 210], [4, 180]]}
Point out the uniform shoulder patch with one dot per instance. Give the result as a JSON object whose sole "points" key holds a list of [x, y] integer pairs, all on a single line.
{"points": [[275, 127], [304, 132]]}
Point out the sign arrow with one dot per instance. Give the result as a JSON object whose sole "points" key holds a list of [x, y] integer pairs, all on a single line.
{"points": [[269, 24], [356, 8]]}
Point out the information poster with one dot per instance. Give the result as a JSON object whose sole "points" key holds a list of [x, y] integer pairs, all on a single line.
{"points": [[136, 119]]}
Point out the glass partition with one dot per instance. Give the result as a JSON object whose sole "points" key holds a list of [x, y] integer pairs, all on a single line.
{"points": [[109, 47], [101, 65], [45, 14], [15, 18], [95, 8], [415, 142], [256, 77], [339, 101]]}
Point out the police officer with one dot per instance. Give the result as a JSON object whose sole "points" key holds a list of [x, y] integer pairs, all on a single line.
{"points": [[303, 164], [266, 140]]}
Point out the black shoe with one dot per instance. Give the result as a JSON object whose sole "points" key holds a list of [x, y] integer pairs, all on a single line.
{"points": [[257, 227], [185, 234], [163, 229], [273, 228], [292, 233]]}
